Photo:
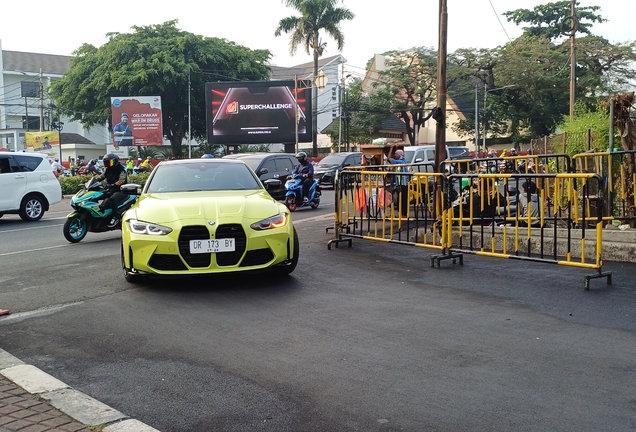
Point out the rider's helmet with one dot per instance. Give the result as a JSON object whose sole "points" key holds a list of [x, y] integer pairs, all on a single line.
{"points": [[110, 160], [207, 156], [492, 154], [301, 156], [513, 151]]}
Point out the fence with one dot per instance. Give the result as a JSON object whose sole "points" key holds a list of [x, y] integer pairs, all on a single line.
{"points": [[497, 215]]}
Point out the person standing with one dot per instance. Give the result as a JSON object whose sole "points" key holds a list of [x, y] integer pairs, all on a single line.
{"points": [[396, 157], [122, 132], [130, 165]]}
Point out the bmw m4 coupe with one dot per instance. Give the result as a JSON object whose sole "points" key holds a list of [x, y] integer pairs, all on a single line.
{"points": [[206, 216]]}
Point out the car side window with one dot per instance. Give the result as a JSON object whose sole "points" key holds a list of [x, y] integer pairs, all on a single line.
{"points": [[4, 166], [270, 166], [430, 155], [27, 163], [357, 160], [284, 164]]}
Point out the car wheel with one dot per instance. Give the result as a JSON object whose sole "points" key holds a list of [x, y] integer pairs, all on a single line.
{"points": [[284, 271], [32, 208], [290, 202], [131, 276], [75, 229]]}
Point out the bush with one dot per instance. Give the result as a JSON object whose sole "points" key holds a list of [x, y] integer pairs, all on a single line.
{"points": [[72, 185]]}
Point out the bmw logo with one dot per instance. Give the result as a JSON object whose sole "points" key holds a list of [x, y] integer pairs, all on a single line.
{"points": [[211, 223]]}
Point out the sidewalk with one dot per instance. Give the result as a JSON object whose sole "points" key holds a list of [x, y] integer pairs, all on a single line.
{"points": [[33, 401]]}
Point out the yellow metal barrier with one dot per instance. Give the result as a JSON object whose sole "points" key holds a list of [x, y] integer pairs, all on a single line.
{"points": [[537, 217]]}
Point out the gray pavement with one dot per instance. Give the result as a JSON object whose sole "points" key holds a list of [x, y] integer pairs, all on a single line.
{"points": [[33, 401]]}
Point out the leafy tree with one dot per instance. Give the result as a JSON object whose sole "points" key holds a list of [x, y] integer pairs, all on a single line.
{"points": [[537, 64], [553, 20], [155, 60], [315, 15]]}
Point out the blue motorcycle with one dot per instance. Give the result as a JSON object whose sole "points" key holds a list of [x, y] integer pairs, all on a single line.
{"points": [[294, 195], [87, 215]]}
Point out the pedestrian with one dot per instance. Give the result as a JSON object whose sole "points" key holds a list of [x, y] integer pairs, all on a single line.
{"points": [[396, 157], [530, 205]]}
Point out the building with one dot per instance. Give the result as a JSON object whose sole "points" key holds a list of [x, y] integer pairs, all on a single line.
{"points": [[426, 135], [328, 104], [25, 105]]}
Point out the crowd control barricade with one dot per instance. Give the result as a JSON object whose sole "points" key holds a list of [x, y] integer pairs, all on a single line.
{"points": [[617, 170], [531, 216], [401, 204]]}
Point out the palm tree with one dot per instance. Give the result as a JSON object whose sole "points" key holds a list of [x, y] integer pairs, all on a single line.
{"points": [[315, 15]]}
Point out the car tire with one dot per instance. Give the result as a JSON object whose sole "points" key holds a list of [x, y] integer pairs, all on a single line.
{"points": [[75, 229], [131, 276], [32, 208]]}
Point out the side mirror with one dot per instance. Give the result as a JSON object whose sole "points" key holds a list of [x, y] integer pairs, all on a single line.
{"points": [[263, 171], [131, 189]]}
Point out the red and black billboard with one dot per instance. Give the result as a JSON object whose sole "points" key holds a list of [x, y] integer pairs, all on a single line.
{"points": [[258, 112]]}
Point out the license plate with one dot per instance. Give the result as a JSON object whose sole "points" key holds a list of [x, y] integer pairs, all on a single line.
{"points": [[212, 245]]}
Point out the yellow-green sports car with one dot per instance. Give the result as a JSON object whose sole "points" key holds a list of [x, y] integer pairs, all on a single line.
{"points": [[205, 216]]}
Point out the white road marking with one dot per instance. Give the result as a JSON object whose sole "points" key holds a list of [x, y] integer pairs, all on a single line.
{"points": [[47, 310]]}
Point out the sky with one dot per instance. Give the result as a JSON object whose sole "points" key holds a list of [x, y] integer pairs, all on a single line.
{"points": [[63, 26]]}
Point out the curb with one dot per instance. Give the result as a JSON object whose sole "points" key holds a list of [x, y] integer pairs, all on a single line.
{"points": [[71, 402]]}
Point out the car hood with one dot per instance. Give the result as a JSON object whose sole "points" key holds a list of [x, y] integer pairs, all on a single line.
{"points": [[205, 206]]}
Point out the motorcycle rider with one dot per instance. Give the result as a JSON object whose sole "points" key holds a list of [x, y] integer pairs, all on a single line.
{"points": [[115, 176], [306, 171]]}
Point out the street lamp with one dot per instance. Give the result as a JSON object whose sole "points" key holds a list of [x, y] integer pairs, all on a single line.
{"points": [[486, 91]]}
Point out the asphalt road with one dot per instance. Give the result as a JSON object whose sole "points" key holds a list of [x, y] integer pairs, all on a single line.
{"points": [[368, 338]]}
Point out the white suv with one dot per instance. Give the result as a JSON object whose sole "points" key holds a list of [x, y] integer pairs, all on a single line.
{"points": [[27, 185]]}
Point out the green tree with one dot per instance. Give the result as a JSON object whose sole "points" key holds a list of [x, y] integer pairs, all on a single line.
{"points": [[155, 60], [407, 88], [315, 16], [553, 20]]}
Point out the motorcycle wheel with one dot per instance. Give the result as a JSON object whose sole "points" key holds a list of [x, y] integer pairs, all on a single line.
{"points": [[75, 229], [290, 202], [315, 203]]}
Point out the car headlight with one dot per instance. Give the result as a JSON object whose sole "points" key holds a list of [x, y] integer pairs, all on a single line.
{"points": [[278, 221], [139, 227]]}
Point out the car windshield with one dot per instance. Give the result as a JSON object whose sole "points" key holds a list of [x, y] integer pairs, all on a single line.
{"points": [[207, 175], [458, 152], [332, 160]]}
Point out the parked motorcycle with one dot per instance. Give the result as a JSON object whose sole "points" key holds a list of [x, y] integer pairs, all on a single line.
{"points": [[87, 216], [294, 195]]}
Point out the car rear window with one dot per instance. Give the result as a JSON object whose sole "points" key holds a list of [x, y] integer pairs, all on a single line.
{"points": [[28, 163]]}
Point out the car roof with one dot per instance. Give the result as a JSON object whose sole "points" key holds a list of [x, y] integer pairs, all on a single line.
{"points": [[256, 155], [38, 155], [200, 160]]}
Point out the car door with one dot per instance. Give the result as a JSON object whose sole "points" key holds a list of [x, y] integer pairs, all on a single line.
{"points": [[12, 183], [284, 169]]}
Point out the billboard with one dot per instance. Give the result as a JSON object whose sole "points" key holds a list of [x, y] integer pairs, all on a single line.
{"points": [[258, 112], [137, 121], [45, 142]]}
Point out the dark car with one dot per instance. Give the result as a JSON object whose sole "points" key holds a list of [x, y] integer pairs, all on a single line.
{"points": [[278, 166], [459, 152], [325, 170]]}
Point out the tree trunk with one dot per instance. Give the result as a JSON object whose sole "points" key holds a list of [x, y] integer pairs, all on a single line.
{"points": [[314, 103]]}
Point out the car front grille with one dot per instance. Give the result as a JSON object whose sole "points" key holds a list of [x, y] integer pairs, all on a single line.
{"points": [[196, 232], [236, 232]]}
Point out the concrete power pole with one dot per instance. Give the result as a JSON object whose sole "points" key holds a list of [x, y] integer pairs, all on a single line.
{"points": [[573, 28]]}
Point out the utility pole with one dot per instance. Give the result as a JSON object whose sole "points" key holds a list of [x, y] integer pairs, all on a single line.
{"points": [[41, 101], [477, 120], [573, 27], [440, 115], [189, 118]]}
